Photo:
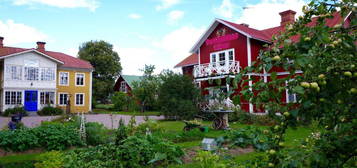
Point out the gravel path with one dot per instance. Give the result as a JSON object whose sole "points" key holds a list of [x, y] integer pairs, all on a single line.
{"points": [[105, 119]]}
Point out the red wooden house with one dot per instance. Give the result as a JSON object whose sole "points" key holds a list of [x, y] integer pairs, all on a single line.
{"points": [[225, 48], [125, 83]]}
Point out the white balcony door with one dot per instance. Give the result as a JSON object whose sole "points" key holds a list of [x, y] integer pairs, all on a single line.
{"points": [[222, 58]]}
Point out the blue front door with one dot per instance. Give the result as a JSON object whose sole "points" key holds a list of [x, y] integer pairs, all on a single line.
{"points": [[31, 100]]}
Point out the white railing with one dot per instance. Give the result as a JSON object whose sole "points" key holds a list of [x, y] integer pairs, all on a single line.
{"points": [[216, 69]]}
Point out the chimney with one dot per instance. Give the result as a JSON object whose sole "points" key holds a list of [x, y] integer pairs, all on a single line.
{"points": [[1, 42], [41, 46], [245, 24], [287, 17]]}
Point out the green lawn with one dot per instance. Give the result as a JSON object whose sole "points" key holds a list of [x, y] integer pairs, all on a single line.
{"points": [[135, 113], [19, 158]]}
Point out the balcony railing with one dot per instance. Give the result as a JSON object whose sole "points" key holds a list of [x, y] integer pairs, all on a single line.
{"points": [[216, 69]]}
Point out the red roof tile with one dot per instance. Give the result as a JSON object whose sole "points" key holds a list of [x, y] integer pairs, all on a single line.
{"points": [[69, 61], [190, 60]]}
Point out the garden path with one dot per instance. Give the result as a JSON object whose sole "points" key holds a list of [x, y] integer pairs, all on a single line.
{"points": [[105, 119]]}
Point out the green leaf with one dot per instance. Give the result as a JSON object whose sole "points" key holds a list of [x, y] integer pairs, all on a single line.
{"points": [[299, 89]]}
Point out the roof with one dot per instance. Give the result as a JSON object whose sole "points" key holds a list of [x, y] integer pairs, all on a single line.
{"points": [[190, 60], [68, 61], [130, 79], [262, 35]]}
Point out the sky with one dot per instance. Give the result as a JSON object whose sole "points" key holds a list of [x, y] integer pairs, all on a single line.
{"points": [[157, 32]]}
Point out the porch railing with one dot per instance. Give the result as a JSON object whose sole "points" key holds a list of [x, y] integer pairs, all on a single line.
{"points": [[216, 69]]}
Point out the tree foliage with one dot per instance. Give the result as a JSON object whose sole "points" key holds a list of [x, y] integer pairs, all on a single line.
{"points": [[326, 88], [178, 96], [107, 67], [145, 90]]}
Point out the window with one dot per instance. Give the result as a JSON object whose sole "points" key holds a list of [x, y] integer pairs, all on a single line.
{"points": [[222, 57], [64, 79], [79, 99], [13, 72], [31, 73], [123, 86], [290, 97], [63, 98], [47, 97], [13, 97], [79, 79], [47, 74]]}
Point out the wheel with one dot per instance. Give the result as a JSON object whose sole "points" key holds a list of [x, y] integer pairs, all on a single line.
{"points": [[217, 124], [186, 128]]}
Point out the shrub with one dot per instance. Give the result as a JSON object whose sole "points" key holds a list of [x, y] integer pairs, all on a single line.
{"points": [[121, 133], [178, 96], [49, 110], [149, 125], [15, 110], [18, 140], [23, 164], [135, 151], [121, 101], [57, 136], [247, 118], [96, 134], [53, 159]]}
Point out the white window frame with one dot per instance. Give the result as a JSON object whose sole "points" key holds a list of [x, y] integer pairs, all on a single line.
{"points": [[60, 78], [227, 61], [123, 87], [75, 99], [13, 75], [287, 94], [44, 97], [17, 99], [59, 98], [84, 79], [47, 74]]}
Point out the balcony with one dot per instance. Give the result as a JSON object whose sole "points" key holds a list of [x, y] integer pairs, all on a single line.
{"points": [[216, 69]]}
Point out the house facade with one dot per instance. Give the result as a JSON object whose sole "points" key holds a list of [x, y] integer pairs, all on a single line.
{"points": [[226, 48], [35, 78], [125, 83]]}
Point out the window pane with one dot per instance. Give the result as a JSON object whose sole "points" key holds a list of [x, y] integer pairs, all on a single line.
{"points": [[7, 97], [230, 53]]}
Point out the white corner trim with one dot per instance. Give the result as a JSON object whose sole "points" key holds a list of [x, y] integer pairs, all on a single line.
{"points": [[249, 51], [251, 108], [90, 91]]}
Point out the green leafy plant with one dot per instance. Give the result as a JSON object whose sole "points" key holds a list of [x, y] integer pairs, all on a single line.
{"points": [[49, 110], [18, 140], [121, 101], [207, 159], [121, 133], [96, 134], [53, 159], [15, 110]]}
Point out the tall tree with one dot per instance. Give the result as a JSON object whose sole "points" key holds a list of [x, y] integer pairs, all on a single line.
{"points": [[145, 90], [107, 67]]}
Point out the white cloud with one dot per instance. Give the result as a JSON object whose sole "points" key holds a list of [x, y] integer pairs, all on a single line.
{"points": [[15, 33], [133, 59], [135, 16], [178, 43], [175, 16], [72, 52], [226, 9], [90, 4], [167, 4], [266, 13]]}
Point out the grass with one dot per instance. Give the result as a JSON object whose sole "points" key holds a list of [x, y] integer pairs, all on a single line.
{"points": [[135, 113], [19, 158]]}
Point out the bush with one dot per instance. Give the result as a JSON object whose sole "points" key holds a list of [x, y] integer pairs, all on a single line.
{"points": [[135, 151], [48, 110], [247, 118], [18, 140], [178, 96], [15, 110], [149, 125], [53, 159], [121, 101], [207, 159], [23, 164], [57, 136], [96, 134]]}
